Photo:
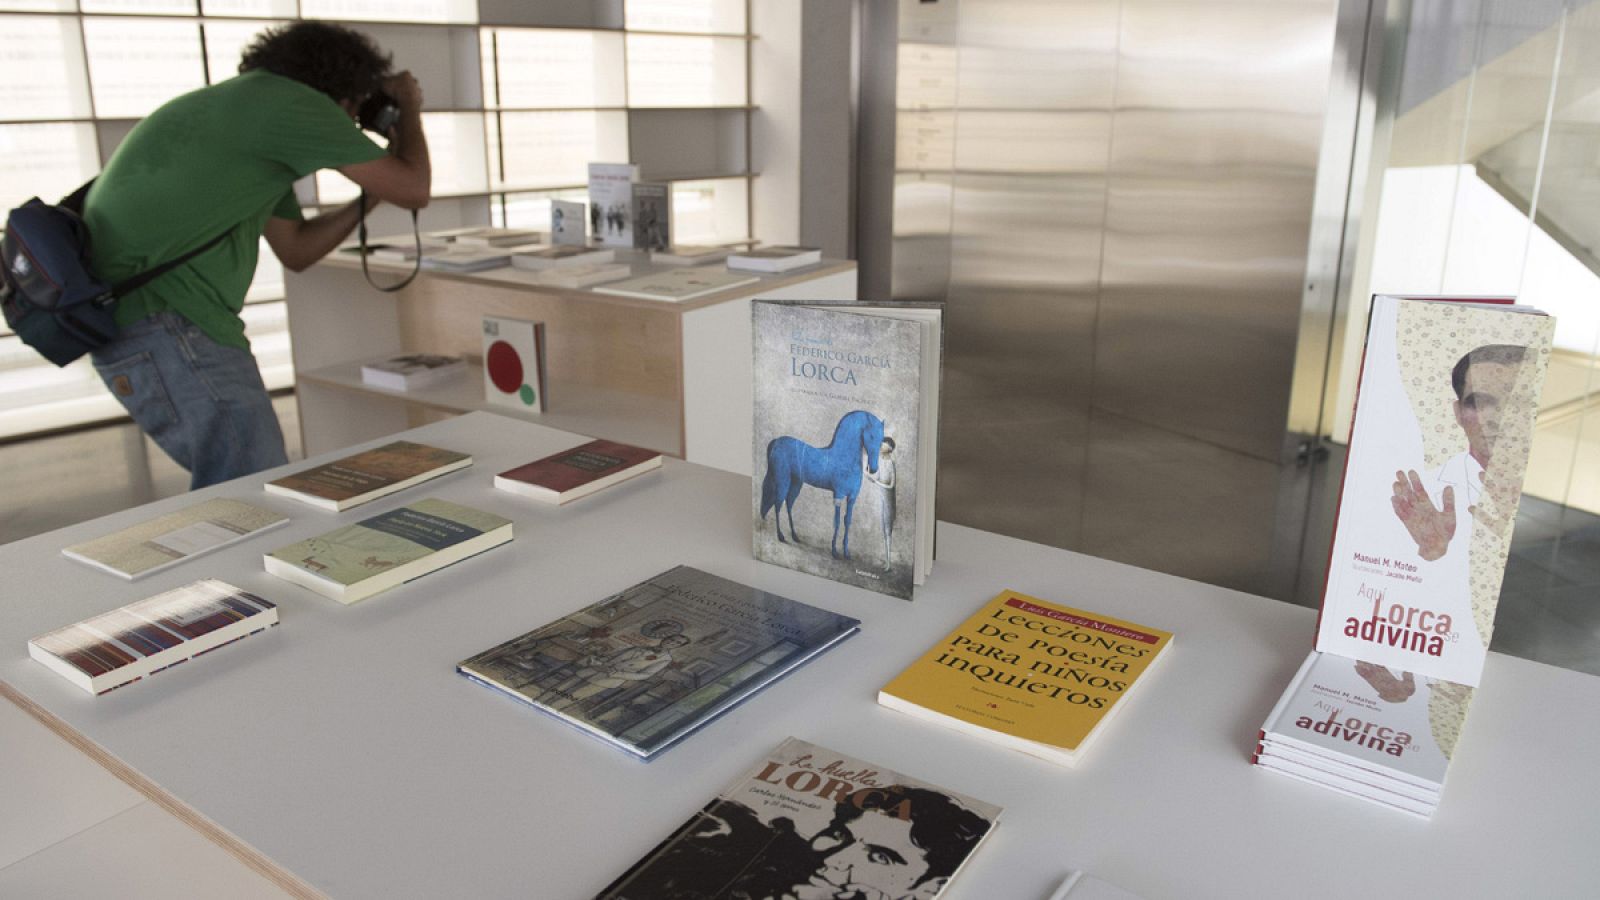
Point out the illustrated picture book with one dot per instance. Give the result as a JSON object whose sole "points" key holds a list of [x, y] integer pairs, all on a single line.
{"points": [[611, 203], [513, 363], [811, 822], [846, 419], [646, 667], [1438, 451], [154, 545], [583, 470], [144, 637], [1365, 730], [568, 223], [652, 216], [354, 562], [366, 476], [1030, 675]]}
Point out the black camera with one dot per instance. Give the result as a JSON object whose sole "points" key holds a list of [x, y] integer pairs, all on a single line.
{"points": [[379, 113]]}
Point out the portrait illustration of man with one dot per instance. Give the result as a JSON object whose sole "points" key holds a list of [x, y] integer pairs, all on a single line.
{"points": [[1485, 382]]}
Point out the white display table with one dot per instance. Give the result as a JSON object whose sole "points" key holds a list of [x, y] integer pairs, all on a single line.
{"points": [[341, 750]]}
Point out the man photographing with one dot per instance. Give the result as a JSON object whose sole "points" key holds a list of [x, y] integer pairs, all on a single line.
{"points": [[222, 160]]}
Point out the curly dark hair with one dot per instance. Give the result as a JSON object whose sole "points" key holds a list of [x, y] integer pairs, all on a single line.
{"points": [[340, 62]]}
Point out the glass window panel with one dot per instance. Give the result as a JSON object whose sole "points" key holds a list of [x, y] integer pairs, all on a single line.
{"points": [[225, 42], [455, 150], [255, 9], [666, 70], [545, 69], [455, 11], [41, 69], [46, 160], [554, 149], [267, 284], [700, 16], [711, 212], [37, 5], [144, 7], [136, 65]]}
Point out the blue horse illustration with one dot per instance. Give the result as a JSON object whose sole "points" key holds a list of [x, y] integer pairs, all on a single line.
{"points": [[793, 463]]}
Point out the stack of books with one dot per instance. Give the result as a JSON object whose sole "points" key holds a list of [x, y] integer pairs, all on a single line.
{"points": [[1438, 450], [1362, 730], [775, 259]]}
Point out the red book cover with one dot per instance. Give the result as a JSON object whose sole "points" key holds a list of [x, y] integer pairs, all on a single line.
{"points": [[568, 470]]}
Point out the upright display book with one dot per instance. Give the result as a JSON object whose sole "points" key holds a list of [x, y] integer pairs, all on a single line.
{"points": [[846, 431], [689, 255], [151, 546], [645, 668], [354, 562], [1030, 675], [611, 202], [561, 256], [368, 475], [411, 371], [809, 822], [513, 363], [568, 227], [1438, 450], [126, 644], [562, 477], [676, 285], [775, 259], [652, 216], [1366, 730]]}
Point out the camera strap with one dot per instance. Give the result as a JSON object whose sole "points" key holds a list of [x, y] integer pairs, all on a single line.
{"points": [[361, 236]]}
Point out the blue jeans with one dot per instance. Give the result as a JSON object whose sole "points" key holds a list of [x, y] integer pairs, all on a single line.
{"points": [[201, 402]]}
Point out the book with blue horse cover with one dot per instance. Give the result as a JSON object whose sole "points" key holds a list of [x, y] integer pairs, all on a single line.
{"points": [[846, 428]]}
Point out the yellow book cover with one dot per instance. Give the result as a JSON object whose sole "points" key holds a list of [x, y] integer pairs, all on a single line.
{"points": [[1032, 675]]}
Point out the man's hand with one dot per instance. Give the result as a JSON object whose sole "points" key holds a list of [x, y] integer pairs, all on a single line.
{"points": [[1389, 688], [405, 90], [1431, 528]]}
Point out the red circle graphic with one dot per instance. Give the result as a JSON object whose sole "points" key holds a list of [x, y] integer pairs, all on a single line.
{"points": [[505, 367]]}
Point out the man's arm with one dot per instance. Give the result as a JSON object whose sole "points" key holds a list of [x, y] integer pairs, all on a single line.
{"points": [[299, 244], [405, 176]]}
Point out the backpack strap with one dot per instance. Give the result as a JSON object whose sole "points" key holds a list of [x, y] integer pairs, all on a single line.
{"points": [[73, 203]]}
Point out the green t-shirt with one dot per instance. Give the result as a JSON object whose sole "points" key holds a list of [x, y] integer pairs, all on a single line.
{"points": [[222, 157]]}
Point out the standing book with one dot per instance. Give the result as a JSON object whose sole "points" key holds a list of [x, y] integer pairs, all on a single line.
{"points": [[126, 644], [676, 285], [807, 821], [647, 667], [513, 363], [154, 545], [567, 224], [611, 202], [846, 418], [368, 475], [387, 550], [1029, 675], [1438, 450], [652, 216], [562, 477]]}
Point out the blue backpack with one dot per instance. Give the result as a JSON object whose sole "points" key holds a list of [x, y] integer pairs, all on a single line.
{"points": [[49, 296]]}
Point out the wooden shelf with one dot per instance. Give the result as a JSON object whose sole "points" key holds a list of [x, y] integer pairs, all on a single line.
{"points": [[580, 408]]}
